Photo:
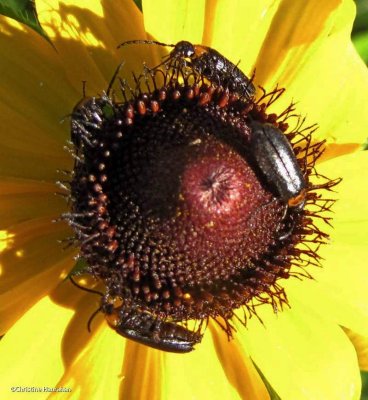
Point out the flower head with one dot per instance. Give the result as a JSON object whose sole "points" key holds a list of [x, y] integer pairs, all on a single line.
{"points": [[33, 265]]}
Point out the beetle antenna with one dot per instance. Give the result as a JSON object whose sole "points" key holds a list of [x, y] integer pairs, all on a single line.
{"points": [[114, 77], [91, 318], [84, 83], [144, 42], [84, 288]]}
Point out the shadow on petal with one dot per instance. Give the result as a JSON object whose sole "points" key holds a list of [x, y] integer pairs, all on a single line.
{"points": [[238, 367], [142, 372], [295, 24]]}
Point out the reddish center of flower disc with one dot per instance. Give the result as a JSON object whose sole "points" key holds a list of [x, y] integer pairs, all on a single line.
{"points": [[219, 197], [216, 189]]}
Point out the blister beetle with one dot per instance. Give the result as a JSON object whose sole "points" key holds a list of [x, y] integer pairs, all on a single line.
{"points": [[143, 327], [131, 322], [207, 62], [275, 158]]}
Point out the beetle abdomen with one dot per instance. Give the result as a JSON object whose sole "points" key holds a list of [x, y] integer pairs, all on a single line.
{"points": [[220, 70], [275, 158]]}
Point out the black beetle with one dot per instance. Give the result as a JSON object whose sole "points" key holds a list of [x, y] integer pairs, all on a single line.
{"points": [[145, 328], [131, 322], [207, 62], [275, 158]]}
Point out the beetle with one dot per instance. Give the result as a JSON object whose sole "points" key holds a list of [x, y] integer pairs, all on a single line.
{"points": [[143, 327], [131, 322], [274, 157], [207, 62]]}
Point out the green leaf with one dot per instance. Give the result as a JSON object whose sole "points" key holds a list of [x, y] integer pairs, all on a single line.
{"points": [[108, 111], [138, 3], [361, 20], [271, 391], [80, 267], [364, 375], [25, 12], [360, 41]]}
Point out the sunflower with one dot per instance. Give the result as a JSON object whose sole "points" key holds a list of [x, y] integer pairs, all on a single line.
{"points": [[303, 352]]}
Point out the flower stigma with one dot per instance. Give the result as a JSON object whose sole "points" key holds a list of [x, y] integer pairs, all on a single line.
{"points": [[189, 200]]}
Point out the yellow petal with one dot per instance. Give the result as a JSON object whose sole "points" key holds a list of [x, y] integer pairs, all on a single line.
{"points": [[34, 99], [339, 291], [30, 140], [198, 374], [20, 201], [91, 33], [361, 346], [170, 22], [96, 370], [148, 383], [30, 354], [103, 364], [31, 266], [301, 355], [352, 192], [309, 52], [238, 28], [238, 367], [330, 301], [334, 150], [55, 349]]}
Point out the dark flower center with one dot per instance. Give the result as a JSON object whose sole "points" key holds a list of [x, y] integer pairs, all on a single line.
{"points": [[170, 211]]}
